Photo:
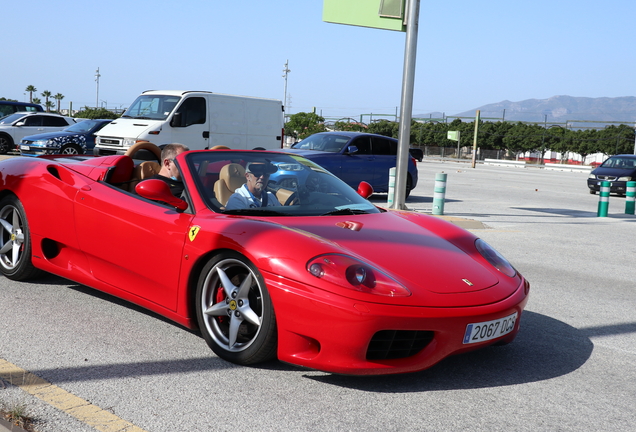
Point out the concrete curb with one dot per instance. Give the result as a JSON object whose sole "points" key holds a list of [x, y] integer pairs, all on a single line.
{"points": [[5, 426]]}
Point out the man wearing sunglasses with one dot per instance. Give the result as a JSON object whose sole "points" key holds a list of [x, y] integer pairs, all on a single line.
{"points": [[253, 194]]}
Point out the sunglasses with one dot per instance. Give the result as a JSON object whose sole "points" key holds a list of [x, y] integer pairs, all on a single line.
{"points": [[259, 170]]}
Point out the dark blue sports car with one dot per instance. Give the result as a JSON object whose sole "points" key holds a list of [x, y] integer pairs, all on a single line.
{"points": [[351, 156], [76, 139]]}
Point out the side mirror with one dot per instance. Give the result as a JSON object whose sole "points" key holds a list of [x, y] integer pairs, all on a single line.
{"points": [[365, 190], [158, 190], [20, 123], [177, 120], [351, 150]]}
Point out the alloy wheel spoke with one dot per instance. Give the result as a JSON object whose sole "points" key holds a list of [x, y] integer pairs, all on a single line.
{"points": [[235, 323]]}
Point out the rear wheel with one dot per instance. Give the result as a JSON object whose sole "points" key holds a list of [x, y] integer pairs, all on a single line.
{"points": [[409, 186], [15, 241], [6, 143], [592, 191], [234, 310]]}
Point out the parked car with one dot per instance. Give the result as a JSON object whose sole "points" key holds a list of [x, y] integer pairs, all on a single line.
{"points": [[417, 153], [328, 281], [16, 126], [10, 107], [76, 139], [353, 157], [617, 170]]}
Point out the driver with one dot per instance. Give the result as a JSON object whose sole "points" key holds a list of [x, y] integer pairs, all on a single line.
{"points": [[169, 173], [254, 193]]}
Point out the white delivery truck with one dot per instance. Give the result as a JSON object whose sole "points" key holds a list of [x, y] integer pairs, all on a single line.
{"points": [[197, 119]]}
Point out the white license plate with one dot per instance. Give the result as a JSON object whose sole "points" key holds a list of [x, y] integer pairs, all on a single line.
{"points": [[24, 147], [483, 331]]}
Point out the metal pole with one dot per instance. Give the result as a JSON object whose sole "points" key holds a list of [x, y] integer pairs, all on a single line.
{"points": [[286, 71], [97, 75], [408, 83], [475, 139]]}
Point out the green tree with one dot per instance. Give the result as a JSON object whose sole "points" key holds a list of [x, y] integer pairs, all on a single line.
{"points": [[350, 126], [384, 127], [58, 97], [302, 124], [36, 101], [46, 94], [96, 113], [31, 89]]}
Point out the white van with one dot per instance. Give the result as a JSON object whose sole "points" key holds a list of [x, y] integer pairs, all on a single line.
{"points": [[197, 119]]}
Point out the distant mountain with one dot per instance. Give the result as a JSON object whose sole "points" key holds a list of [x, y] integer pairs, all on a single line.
{"points": [[560, 109]]}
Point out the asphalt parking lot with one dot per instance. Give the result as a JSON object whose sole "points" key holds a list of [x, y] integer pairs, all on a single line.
{"points": [[572, 367]]}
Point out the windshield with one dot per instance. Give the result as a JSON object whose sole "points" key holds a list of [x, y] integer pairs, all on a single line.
{"points": [[323, 142], [152, 107], [619, 162], [84, 126], [258, 183], [10, 118]]}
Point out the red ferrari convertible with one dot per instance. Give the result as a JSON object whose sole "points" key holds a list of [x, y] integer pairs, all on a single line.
{"points": [[314, 275]]}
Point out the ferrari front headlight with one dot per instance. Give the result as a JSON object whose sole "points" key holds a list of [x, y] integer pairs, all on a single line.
{"points": [[495, 258], [351, 273]]}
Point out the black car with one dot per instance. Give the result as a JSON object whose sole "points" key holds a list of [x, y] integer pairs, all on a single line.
{"points": [[617, 170], [417, 153]]}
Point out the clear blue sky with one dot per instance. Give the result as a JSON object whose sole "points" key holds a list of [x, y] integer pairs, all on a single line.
{"points": [[469, 53]]}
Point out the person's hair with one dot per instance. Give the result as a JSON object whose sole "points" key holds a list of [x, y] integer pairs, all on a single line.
{"points": [[170, 151]]}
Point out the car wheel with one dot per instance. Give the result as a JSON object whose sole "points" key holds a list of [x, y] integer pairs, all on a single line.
{"points": [[15, 241], [234, 310], [592, 191], [409, 186], [72, 149], [6, 143]]}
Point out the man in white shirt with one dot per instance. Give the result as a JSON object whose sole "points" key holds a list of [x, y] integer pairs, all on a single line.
{"points": [[253, 194]]}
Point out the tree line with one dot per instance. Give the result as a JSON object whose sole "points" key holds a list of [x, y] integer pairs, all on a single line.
{"points": [[514, 138]]}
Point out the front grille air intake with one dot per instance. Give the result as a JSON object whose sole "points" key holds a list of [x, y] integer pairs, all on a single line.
{"points": [[396, 344]]}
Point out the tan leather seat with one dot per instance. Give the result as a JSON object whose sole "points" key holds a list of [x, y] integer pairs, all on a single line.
{"points": [[231, 177], [143, 171]]}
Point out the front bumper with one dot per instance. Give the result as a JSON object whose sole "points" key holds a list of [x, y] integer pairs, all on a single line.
{"points": [[327, 332], [617, 187]]}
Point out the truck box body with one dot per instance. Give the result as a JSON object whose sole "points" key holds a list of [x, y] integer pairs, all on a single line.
{"points": [[199, 120]]}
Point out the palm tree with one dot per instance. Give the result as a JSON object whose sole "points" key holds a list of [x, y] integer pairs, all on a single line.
{"points": [[31, 89], [58, 97], [49, 105], [37, 101], [47, 95]]}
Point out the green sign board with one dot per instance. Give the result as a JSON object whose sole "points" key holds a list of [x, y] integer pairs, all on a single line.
{"points": [[381, 14], [453, 135]]}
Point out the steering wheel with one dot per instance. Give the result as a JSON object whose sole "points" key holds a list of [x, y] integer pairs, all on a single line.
{"points": [[145, 145], [292, 200]]}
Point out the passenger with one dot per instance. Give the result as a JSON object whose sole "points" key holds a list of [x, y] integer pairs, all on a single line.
{"points": [[254, 193], [169, 172]]}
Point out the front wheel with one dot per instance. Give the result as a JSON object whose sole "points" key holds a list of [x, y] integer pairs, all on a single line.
{"points": [[72, 149], [15, 241], [234, 310], [6, 143]]}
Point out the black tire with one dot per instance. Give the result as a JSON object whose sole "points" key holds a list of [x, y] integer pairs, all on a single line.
{"points": [[71, 149], [6, 143], [592, 191], [409, 186], [15, 241], [234, 310]]}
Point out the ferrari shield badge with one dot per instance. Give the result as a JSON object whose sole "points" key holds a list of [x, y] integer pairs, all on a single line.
{"points": [[193, 231]]}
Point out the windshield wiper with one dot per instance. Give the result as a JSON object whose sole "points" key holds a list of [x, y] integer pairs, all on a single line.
{"points": [[253, 212], [345, 211]]}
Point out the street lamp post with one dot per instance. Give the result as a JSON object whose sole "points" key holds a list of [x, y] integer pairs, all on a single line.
{"points": [[97, 75], [286, 71]]}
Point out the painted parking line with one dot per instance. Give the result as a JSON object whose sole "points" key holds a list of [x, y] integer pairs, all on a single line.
{"points": [[84, 411]]}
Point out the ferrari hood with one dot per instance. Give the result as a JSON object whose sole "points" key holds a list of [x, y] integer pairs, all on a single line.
{"points": [[425, 262]]}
